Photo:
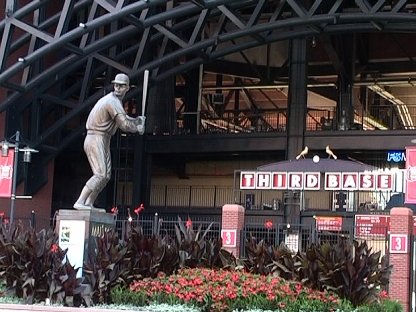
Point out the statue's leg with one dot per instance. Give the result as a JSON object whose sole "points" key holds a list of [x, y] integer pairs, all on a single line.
{"points": [[81, 202], [100, 161], [94, 147]]}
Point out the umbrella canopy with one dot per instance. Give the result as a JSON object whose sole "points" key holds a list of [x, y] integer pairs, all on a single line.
{"points": [[323, 165]]}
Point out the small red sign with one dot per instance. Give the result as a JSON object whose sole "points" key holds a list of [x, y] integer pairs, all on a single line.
{"points": [[398, 243], [328, 223], [229, 238], [372, 225]]}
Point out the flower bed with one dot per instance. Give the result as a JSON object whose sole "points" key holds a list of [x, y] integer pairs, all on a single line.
{"points": [[220, 290]]}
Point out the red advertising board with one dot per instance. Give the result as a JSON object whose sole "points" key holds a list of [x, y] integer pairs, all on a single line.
{"points": [[410, 197], [6, 174], [372, 225], [328, 223]]}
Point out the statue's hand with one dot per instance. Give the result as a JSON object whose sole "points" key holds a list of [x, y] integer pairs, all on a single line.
{"points": [[140, 129], [141, 126]]}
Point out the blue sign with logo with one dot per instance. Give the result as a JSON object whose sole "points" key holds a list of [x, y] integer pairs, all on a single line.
{"points": [[396, 156]]}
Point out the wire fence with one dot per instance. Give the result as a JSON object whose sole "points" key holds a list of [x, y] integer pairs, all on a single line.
{"points": [[297, 237], [164, 225]]}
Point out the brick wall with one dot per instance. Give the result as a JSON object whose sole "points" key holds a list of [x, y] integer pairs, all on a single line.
{"points": [[401, 222]]}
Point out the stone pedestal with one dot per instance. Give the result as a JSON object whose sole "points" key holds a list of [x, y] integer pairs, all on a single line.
{"points": [[77, 230]]}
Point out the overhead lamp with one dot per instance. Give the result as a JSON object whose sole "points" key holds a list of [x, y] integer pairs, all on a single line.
{"points": [[27, 154], [5, 149]]}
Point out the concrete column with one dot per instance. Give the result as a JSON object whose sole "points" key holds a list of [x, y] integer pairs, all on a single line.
{"points": [[401, 228], [297, 98], [232, 225]]}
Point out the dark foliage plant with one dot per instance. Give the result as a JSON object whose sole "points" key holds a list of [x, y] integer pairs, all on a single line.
{"points": [[34, 268], [349, 268]]}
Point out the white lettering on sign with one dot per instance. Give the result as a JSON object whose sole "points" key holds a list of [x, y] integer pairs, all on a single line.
{"points": [[263, 180], [384, 181], [367, 181], [279, 180], [247, 180], [311, 180], [229, 238], [349, 181], [398, 243], [333, 180], [295, 180]]}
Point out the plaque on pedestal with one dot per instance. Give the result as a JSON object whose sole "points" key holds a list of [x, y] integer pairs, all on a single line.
{"points": [[77, 230]]}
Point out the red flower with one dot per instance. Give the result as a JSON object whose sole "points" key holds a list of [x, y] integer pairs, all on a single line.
{"points": [[114, 210], [268, 224], [383, 294], [139, 209], [2, 214], [54, 248], [188, 223]]}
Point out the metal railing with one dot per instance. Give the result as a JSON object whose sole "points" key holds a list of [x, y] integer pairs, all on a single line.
{"points": [[216, 196], [262, 121], [297, 237], [164, 224]]}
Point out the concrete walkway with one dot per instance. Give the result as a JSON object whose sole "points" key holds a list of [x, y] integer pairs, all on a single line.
{"points": [[39, 308]]}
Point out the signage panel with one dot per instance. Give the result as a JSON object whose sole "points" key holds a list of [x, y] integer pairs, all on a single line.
{"points": [[229, 238], [410, 193], [335, 181], [398, 243], [6, 174], [367, 181], [372, 225], [328, 223]]}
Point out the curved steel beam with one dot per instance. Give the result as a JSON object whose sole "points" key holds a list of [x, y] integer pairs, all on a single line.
{"points": [[238, 23]]}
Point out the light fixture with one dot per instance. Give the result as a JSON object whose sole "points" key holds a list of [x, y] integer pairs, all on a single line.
{"points": [[401, 107], [27, 156], [5, 149], [313, 43], [370, 121], [27, 152]]}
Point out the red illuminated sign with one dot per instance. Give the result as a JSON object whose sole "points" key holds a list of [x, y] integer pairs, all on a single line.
{"points": [[6, 174]]}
